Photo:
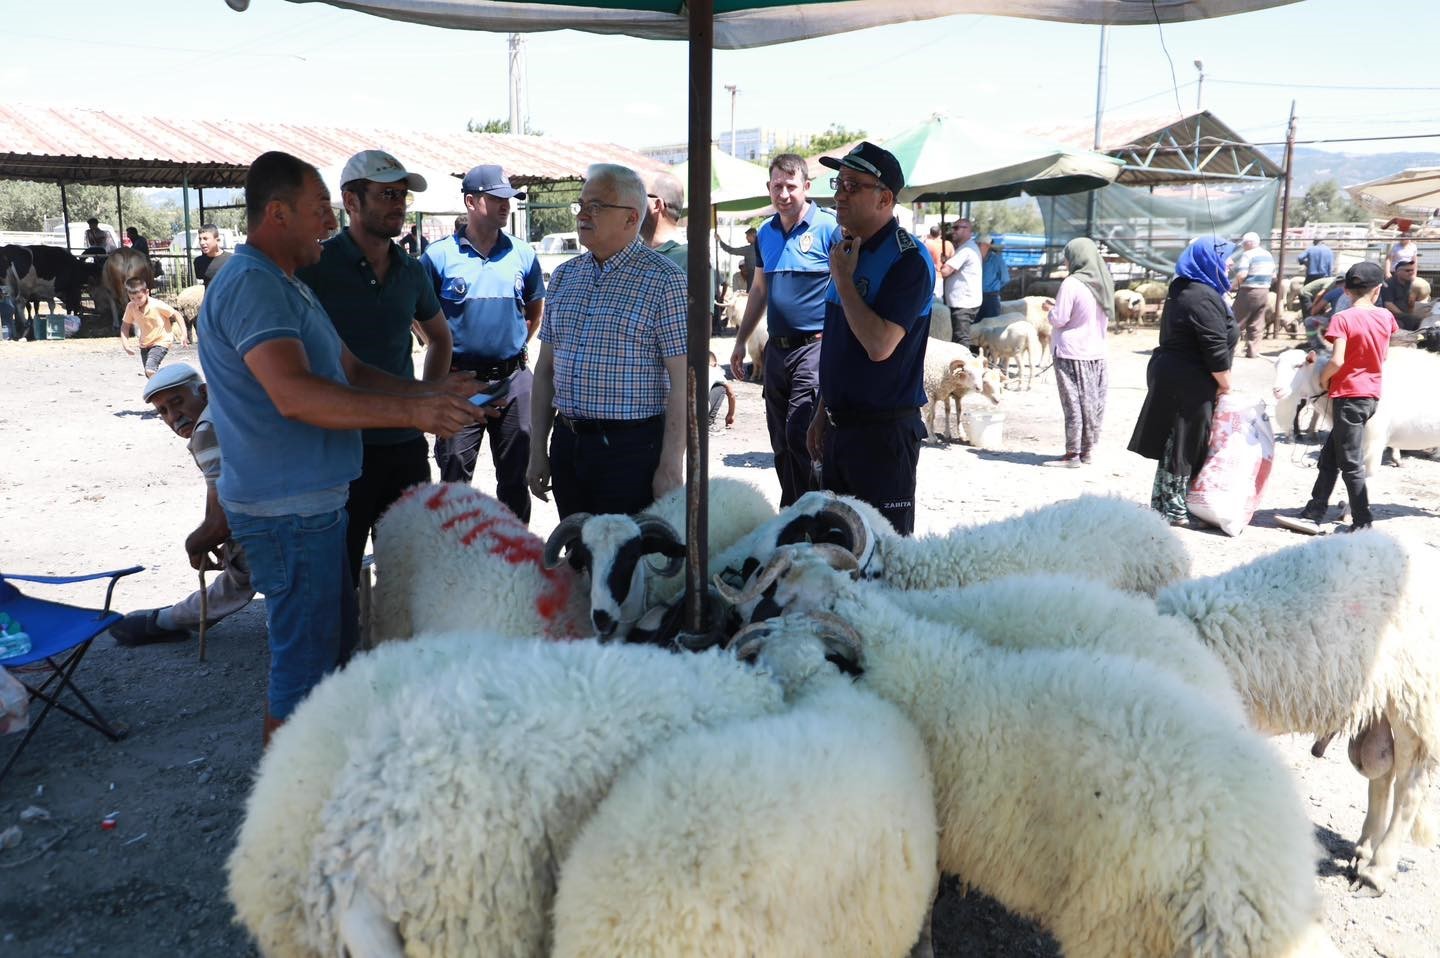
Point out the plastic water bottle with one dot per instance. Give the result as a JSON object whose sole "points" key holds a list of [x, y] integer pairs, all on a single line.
{"points": [[13, 640]]}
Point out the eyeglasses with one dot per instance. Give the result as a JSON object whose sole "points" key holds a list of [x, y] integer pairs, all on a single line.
{"points": [[842, 185], [592, 209]]}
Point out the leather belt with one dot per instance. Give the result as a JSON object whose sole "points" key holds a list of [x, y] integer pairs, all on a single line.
{"points": [[489, 368], [866, 417], [793, 342], [580, 426]]}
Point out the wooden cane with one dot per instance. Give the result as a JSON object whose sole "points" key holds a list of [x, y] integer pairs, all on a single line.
{"points": [[204, 611]]}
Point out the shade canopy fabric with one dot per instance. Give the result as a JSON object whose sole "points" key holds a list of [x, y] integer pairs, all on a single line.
{"points": [[1414, 190], [752, 23], [959, 160], [738, 186]]}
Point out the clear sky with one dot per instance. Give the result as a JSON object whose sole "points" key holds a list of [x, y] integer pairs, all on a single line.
{"points": [[314, 63]]}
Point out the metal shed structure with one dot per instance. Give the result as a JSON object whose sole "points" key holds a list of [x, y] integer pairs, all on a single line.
{"points": [[1160, 150], [92, 147]]}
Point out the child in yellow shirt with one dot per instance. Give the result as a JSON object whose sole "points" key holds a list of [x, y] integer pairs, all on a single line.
{"points": [[154, 320]]}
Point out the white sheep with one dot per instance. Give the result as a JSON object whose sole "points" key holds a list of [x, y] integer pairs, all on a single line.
{"points": [[1055, 610], [1407, 415], [807, 832], [458, 794], [1129, 307], [1094, 537], [450, 557], [627, 588], [1053, 766], [951, 373], [297, 774], [1035, 310], [1004, 340], [188, 302], [1331, 636]]}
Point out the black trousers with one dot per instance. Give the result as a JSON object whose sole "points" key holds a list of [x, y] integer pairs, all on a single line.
{"points": [[386, 472], [604, 472], [960, 320], [792, 381], [1344, 457], [509, 449], [876, 462]]}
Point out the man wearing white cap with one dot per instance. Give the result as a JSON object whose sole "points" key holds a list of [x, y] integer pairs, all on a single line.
{"points": [[178, 393], [1253, 272], [373, 292]]}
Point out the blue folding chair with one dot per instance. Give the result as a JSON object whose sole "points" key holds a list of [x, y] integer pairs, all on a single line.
{"points": [[60, 635]]}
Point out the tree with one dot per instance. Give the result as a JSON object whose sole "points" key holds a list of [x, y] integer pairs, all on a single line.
{"points": [[548, 205], [25, 206], [834, 137], [1021, 215], [1324, 202], [498, 125]]}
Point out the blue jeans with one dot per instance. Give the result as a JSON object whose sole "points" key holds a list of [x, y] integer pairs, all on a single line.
{"points": [[299, 563]]}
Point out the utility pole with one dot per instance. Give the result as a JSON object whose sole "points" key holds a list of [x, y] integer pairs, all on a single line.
{"points": [[733, 90], [519, 122], [1200, 83], [1284, 217], [1099, 119]]}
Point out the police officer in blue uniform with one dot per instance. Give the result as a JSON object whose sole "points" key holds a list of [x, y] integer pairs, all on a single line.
{"points": [[792, 251], [492, 293], [867, 427]]}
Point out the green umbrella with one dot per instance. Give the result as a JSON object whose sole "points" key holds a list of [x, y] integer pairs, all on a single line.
{"points": [[738, 186], [954, 159], [735, 24]]}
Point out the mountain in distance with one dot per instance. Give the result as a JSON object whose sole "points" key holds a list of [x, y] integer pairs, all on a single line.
{"points": [[1348, 169]]}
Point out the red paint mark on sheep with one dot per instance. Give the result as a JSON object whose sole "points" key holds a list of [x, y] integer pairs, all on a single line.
{"points": [[437, 500]]}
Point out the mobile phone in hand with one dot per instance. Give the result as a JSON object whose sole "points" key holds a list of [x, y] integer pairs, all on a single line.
{"points": [[495, 391]]}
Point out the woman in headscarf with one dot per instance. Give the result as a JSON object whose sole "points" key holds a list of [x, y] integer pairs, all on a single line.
{"points": [[1084, 307], [1188, 369]]}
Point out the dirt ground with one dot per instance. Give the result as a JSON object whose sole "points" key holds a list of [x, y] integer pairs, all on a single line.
{"points": [[91, 479]]}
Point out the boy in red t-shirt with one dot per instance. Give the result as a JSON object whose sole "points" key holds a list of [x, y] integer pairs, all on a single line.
{"points": [[1361, 338]]}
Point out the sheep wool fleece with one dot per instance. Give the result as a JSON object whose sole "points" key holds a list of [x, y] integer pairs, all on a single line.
{"points": [[500, 766], [1193, 820], [808, 832], [297, 775], [452, 558]]}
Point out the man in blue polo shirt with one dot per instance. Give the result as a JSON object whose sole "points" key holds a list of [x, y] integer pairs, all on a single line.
{"points": [[792, 253], [867, 427], [288, 401], [373, 292], [492, 292]]}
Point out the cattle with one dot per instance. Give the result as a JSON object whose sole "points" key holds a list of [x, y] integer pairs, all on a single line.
{"points": [[33, 273], [119, 268]]}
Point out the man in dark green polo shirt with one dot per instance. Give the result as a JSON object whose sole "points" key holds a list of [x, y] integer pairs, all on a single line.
{"points": [[373, 291]]}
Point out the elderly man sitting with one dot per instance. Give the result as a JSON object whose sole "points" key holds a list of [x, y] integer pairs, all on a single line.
{"points": [[178, 394]]}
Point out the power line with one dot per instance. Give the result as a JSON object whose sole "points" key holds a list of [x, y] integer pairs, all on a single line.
{"points": [[1321, 86]]}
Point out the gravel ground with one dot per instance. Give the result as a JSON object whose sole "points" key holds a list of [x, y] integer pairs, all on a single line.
{"points": [[91, 479]]}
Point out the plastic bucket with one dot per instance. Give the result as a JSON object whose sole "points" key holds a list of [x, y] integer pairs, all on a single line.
{"points": [[985, 429]]}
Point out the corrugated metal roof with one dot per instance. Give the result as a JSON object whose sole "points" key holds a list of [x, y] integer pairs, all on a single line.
{"points": [[1162, 149], [56, 144]]}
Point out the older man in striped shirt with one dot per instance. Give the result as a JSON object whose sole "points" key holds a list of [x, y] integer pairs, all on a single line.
{"points": [[610, 378]]}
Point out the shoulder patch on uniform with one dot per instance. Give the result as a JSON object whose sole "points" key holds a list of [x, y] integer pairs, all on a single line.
{"points": [[907, 242]]}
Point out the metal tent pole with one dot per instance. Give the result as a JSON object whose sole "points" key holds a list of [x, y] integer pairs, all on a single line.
{"points": [[201, 203], [697, 435], [188, 272], [1099, 117], [1284, 219], [65, 215], [119, 216]]}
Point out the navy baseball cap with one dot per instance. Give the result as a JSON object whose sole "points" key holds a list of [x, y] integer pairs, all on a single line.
{"points": [[490, 178], [869, 158]]}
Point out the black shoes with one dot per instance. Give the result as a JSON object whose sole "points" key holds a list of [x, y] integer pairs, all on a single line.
{"points": [[141, 628]]}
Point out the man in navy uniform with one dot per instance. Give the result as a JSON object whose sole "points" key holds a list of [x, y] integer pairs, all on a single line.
{"points": [[793, 256], [867, 427], [492, 293]]}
